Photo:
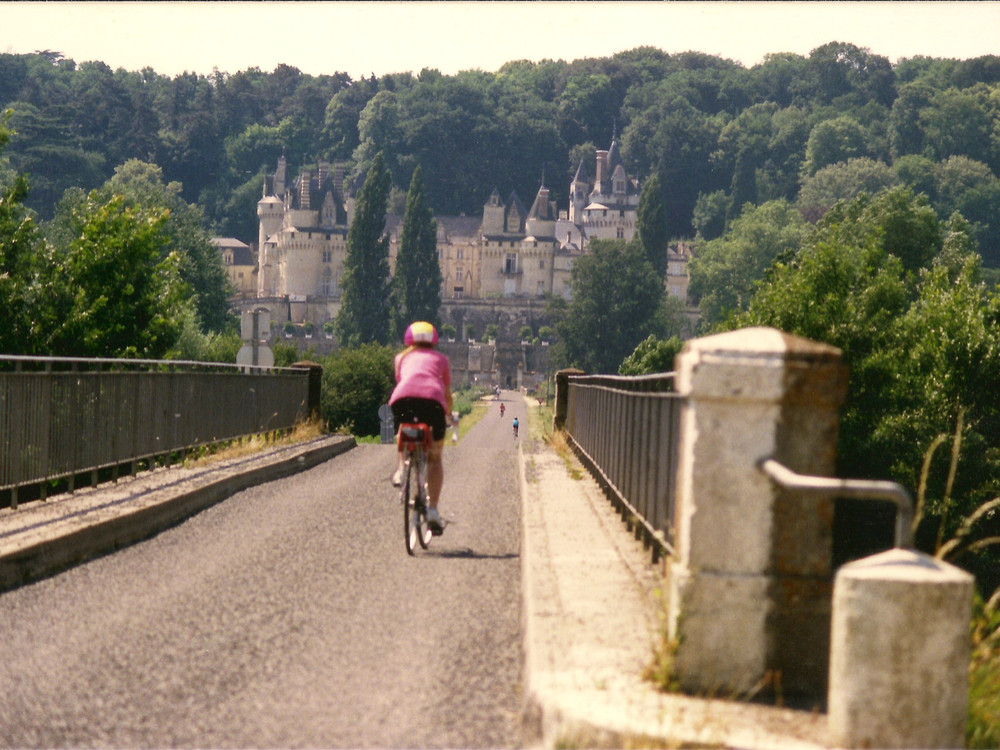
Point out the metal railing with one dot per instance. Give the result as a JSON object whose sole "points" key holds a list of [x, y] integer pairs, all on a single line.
{"points": [[626, 430], [63, 417], [859, 489]]}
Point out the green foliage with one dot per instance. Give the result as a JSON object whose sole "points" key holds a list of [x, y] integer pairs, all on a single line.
{"points": [[616, 298], [698, 123], [651, 224], [356, 382], [652, 356], [114, 291], [843, 181], [983, 725], [725, 272], [19, 244], [195, 346], [418, 272], [142, 184], [831, 141], [899, 294], [366, 304]]}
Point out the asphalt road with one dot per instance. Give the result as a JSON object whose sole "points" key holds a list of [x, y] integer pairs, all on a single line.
{"points": [[289, 615]]}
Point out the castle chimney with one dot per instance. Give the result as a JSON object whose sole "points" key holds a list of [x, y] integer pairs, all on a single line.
{"points": [[324, 173], [602, 165], [304, 192], [279, 176], [338, 179]]}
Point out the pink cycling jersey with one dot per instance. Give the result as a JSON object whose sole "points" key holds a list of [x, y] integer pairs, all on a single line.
{"points": [[422, 373]]}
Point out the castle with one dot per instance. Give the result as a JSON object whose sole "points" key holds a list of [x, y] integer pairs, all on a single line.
{"points": [[512, 252]]}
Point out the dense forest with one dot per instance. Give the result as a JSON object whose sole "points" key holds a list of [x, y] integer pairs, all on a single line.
{"points": [[807, 129]]}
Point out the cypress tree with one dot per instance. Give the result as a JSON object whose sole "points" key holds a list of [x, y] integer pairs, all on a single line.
{"points": [[651, 221], [418, 272], [744, 187], [366, 303]]}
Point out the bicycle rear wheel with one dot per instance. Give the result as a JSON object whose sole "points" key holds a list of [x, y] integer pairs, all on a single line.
{"points": [[408, 496], [424, 532]]}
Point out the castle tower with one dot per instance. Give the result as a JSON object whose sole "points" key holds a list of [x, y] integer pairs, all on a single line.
{"points": [[493, 213], [578, 190], [270, 213], [541, 220]]}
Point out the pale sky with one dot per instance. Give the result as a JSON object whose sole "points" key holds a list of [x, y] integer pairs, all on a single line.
{"points": [[392, 37]]}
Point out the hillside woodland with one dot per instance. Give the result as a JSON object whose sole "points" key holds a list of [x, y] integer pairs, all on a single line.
{"points": [[807, 129]]}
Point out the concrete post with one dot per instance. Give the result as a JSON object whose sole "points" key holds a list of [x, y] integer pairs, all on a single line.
{"points": [[899, 656], [562, 396], [314, 403], [750, 580]]}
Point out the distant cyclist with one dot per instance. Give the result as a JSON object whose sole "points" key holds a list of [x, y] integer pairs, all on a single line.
{"points": [[423, 394], [515, 426]]}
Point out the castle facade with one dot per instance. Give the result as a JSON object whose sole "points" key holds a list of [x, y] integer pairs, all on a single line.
{"points": [[510, 252]]}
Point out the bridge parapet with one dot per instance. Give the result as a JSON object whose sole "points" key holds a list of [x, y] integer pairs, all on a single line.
{"points": [[62, 418], [750, 582]]}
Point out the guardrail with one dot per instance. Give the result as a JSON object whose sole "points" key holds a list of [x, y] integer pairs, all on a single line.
{"points": [[626, 430], [860, 489], [61, 418]]}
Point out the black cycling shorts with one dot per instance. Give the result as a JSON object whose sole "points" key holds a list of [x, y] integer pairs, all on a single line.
{"points": [[425, 410]]}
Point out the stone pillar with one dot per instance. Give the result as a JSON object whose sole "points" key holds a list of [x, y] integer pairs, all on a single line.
{"points": [[562, 396], [899, 658], [314, 404], [750, 579]]}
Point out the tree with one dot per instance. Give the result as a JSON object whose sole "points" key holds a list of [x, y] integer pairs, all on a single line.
{"points": [[356, 382], [115, 290], [709, 215], [743, 190], [882, 280], [651, 356], [833, 141], [616, 297], [19, 244], [141, 185], [651, 222], [418, 273], [365, 314], [843, 182], [971, 188], [725, 272]]}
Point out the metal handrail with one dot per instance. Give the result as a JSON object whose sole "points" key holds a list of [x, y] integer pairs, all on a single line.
{"points": [[61, 417], [859, 489], [625, 430]]}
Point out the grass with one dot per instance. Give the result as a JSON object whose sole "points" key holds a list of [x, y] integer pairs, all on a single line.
{"points": [[251, 444], [983, 725]]}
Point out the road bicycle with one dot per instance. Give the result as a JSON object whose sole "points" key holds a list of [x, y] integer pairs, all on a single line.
{"points": [[415, 439]]}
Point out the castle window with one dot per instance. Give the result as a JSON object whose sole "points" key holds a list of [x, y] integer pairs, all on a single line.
{"points": [[541, 264], [621, 233], [327, 255], [460, 254], [510, 263]]}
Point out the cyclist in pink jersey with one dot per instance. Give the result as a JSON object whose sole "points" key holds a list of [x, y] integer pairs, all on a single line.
{"points": [[423, 394]]}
